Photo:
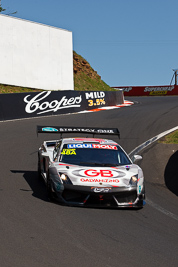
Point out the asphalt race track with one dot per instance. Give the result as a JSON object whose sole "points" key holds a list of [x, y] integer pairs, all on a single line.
{"points": [[37, 233]]}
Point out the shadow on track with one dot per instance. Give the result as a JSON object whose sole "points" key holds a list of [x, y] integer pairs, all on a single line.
{"points": [[38, 188], [37, 185], [171, 174]]}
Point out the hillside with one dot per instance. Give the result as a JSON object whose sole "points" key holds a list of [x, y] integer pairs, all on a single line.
{"points": [[85, 79]]}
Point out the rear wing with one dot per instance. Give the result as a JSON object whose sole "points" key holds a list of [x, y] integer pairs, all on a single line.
{"points": [[88, 130]]}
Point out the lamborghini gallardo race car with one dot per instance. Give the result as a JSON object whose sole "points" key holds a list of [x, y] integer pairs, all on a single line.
{"points": [[87, 171]]}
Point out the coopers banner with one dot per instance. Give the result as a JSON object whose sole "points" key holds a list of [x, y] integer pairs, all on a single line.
{"points": [[45, 103], [149, 90]]}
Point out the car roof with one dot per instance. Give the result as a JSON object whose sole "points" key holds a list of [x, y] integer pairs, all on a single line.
{"points": [[82, 140]]}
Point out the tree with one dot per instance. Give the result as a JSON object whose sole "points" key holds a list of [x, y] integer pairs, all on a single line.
{"points": [[1, 9]]}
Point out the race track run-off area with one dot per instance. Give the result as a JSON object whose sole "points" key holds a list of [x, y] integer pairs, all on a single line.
{"points": [[36, 232]]}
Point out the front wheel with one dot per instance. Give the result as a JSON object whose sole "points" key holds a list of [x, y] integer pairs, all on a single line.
{"points": [[39, 169], [49, 192]]}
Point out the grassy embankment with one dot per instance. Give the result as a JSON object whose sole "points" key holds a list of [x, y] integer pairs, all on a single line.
{"points": [[170, 139], [85, 79]]}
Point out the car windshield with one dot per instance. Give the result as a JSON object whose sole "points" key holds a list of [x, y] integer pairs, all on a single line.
{"points": [[93, 155]]}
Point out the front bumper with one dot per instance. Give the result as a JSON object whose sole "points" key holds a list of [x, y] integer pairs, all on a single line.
{"points": [[100, 196]]}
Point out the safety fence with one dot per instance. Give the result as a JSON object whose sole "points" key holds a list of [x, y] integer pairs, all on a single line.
{"points": [[45, 103], [149, 90]]}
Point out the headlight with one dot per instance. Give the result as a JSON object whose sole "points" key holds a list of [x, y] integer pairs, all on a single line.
{"points": [[64, 178], [133, 180]]}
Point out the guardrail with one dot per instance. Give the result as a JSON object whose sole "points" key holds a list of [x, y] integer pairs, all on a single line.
{"points": [[45, 103], [149, 90]]}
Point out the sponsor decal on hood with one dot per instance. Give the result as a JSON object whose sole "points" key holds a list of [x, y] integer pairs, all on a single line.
{"points": [[89, 180], [98, 173]]}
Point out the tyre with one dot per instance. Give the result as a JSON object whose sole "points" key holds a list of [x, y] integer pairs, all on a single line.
{"points": [[39, 169], [48, 186]]}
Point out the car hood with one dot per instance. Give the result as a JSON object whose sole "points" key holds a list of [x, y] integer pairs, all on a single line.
{"points": [[99, 176]]}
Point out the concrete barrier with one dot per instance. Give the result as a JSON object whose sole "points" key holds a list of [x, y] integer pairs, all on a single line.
{"points": [[35, 55], [149, 90], [48, 103]]}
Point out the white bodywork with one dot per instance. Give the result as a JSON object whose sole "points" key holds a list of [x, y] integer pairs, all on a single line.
{"points": [[92, 178]]}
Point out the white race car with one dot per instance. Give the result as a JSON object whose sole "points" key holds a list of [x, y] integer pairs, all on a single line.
{"points": [[89, 171]]}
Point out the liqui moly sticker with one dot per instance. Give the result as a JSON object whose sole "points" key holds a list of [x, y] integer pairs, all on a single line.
{"points": [[92, 146], [104, 146], [79, 146]]}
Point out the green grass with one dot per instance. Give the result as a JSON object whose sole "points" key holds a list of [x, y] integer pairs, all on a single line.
{"points": [[170, 139], [8, 89], [83, 82]]}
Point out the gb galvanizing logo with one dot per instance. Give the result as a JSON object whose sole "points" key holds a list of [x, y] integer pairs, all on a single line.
{"points": [[39, 105]]}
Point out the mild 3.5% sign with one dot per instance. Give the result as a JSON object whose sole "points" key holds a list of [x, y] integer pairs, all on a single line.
{"points": [[96, 102]]}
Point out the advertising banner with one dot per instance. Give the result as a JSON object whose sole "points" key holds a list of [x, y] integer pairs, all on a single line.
{"points": [[45, 103], [149, 90]]}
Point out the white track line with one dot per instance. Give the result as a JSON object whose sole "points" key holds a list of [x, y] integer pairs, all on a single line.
{"points": [[161, 209], [150, 141], [143, 146]]}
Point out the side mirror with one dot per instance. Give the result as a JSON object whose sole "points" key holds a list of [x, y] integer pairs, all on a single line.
{"points": [[136, 158]]}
